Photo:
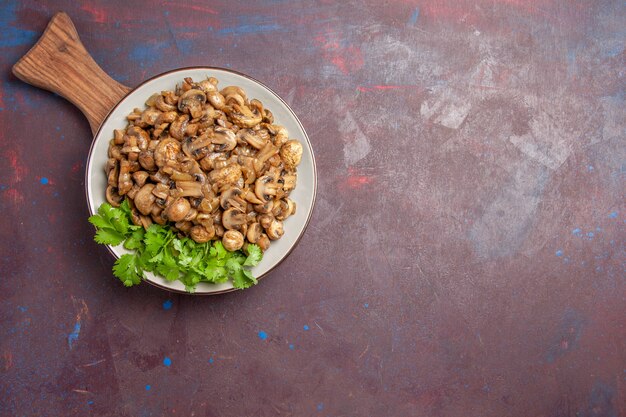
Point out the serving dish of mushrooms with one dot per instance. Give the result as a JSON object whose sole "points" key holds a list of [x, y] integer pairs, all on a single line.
{"points": [[213, 161], [209, 162]]}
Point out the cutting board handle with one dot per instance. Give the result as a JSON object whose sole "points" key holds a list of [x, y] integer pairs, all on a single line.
{"points": [[60, 63]]}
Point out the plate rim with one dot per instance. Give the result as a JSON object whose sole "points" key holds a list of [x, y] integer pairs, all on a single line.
{"points": [[201, 67]]}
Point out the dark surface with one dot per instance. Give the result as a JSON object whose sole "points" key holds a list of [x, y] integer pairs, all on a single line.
{"points": [[465, 256]]}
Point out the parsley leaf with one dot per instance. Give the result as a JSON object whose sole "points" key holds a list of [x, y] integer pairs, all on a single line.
{"points": [[158, 249], [127, 269]]}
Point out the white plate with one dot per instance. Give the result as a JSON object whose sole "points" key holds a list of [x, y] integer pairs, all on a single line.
{"points": [[303, 195]]}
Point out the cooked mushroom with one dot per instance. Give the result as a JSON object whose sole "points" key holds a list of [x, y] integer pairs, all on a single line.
{"points": [[225, 138], [125, 182], [201, 234], [144, 199], [166, 150], [254, 232], [265, 187], [263, 242], [233, 219], [210, 163], [243, 116], [191, 102], [232, 198], [275, 230], [140, 177], [113, 196], [177, 211], [291, 153], [232, 240]]}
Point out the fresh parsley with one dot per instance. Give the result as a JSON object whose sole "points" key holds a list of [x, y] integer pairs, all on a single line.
{"points": [[160, 251]]}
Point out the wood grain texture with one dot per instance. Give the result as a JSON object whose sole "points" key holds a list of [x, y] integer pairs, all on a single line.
{"points": [[60, 63]]}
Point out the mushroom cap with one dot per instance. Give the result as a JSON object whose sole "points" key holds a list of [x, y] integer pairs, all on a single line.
{"points": [[144, 199], [177, 211], [232, 240], [201, 234], [167, 150], [291, 153]]}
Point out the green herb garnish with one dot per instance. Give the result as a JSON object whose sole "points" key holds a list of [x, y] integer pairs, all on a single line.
{"points": [[159, 250]]}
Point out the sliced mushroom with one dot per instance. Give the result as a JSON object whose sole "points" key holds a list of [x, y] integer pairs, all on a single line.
{"points": [[265, 207], [163, 105], [275, 230], [113, 196], [291, 153], [196, 147], [140, 177], [189, 188], [266, 220], [250, 137], [146, 160], [216, 99], [243, 116], [178, 127], [233, 219], [263, 242], [232, 240], [265, 188], [282, 209], [232, 198], [191, 102], [177, 211], [254, 232], [225, 138], [125, 182]]}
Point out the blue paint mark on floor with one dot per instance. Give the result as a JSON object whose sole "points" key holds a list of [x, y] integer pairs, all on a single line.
{"points": [[167, 361], [262, 335], [414, 16], [167, 304], [12, 35], [559, 252], [148, 387], [72, 337], [366, 305], [211, 360], [306, 327], [590, 234], [44, 180], [292, 347], [613, 215], [577, 232]]}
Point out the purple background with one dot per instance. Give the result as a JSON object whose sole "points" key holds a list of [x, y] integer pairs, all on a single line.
{"points": [[465, 256]]}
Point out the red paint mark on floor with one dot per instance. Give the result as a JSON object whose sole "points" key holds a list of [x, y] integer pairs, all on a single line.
{"points": [[197, 8], [77, 167], [359, 181], [7, 357], [14, 195], [346, 59], [99, 14], [370, 88], [18, 169]]}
